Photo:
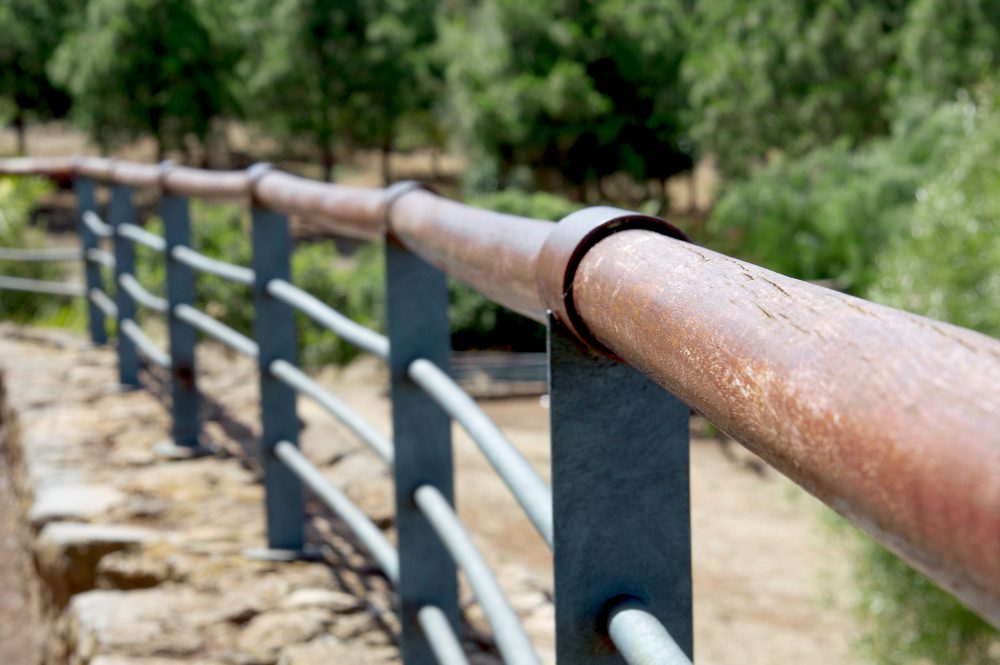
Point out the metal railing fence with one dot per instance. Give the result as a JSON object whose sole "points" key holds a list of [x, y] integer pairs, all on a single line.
{"points": [[890, 418]]}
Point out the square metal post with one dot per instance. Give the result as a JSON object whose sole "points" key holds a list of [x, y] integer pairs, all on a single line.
{"points": [[86, 201], [621, 500], [121, 211], [274, 327], [184, 402], [417, 304]]}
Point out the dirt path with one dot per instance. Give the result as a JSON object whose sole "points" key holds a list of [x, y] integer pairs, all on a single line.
{"points": [[770, 584], [19, 630]]}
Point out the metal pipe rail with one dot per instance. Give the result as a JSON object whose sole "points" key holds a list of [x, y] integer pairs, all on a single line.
{"points": [[101, 257], [295, 378], [103, 302], [517, 473], [143, 237], [40, 286], [513, 643], [444, 643], [139, 294], [889, 418], [216, 329], [206, 264], [351, 331], [366, 531], [31, 255], [97, 226], [145, 345], [641, 638]]}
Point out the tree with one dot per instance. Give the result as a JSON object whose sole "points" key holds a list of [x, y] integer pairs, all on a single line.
{"points": [[571, 91], [145, 67], [789, 75], [331, 71], [31, 30], [946, 45]]}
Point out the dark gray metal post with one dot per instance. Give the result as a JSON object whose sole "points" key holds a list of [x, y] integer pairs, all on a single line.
{"points": [[121, 211], [184, 402], [274, 327], [86, 201], [621, 500], [417, 304]]}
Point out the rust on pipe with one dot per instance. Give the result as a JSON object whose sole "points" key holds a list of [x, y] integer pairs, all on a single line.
{"points": [[494, 253], [133, 174], [60, 169], [890, 418], [203, 184], [351, 211], [96, 168]]}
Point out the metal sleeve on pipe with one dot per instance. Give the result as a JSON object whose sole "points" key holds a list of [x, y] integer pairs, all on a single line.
{"points": [[206, 264], [444, 643], [366, 531], [352, 332], [890, 418], [302, 382], [40, 286], [517, 473], [641, 639], [513, 643], [32, 255], [144, 344], [143, 237], [216, 329], [131, 285]]}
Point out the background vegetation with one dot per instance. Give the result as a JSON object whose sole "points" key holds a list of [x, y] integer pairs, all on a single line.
{"points": [[858, 141]]}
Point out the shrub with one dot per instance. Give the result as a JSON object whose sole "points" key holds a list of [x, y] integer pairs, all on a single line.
{"points": [[827, 215], [18, 197]]}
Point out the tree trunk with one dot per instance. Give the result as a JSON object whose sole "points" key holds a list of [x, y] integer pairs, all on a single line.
{"points": [[329, 161], [22, 133], [692, 194], [435, 164], [386, 155]]}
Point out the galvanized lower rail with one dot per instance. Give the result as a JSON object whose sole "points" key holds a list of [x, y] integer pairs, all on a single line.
{"points": [[906, 446]]}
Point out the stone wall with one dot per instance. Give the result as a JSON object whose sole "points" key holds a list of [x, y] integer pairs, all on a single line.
{"points": [[141, 560]]}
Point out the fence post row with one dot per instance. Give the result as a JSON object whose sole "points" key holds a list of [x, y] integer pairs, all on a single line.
{"points": [[184, 402], [274, 329], [620, 449], [121, 211], [418, 327], [86, 200]]}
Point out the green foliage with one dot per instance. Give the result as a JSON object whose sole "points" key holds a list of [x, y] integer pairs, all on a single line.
{"points": [[144, 68], [905, 618], [963, 38], [571, 91], [340, 70], [828, 215], [946, 261], [18, 197], [31, 30], [788, 75]]}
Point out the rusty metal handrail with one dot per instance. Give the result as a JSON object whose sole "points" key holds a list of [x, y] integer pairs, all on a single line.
{"points": [[890, 418]]}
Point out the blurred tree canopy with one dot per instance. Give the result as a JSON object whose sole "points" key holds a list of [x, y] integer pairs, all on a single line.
{"points": [[571, 91], [31, 31], [145, 68], [339, 71]]}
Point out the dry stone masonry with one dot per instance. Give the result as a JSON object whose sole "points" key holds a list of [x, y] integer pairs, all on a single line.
{"points": [[140, 561]]}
